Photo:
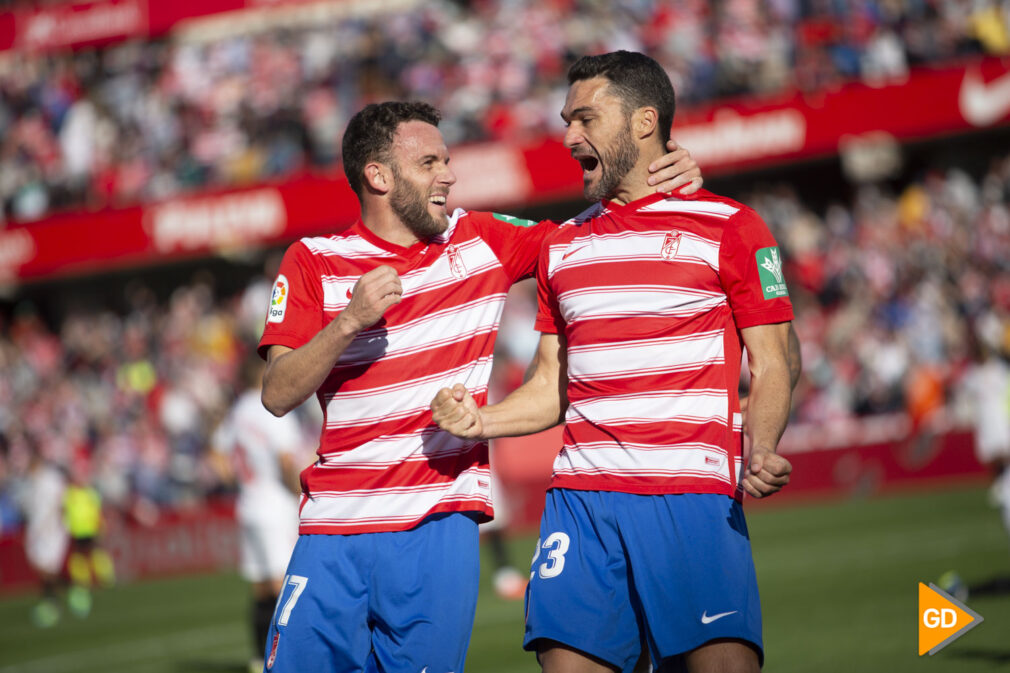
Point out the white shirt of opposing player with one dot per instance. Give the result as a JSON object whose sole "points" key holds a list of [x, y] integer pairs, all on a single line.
{"points": [[254, 439], [46, 537]]}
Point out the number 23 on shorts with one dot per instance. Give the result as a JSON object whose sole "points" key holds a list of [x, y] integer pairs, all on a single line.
{"points": [[556, 546]]}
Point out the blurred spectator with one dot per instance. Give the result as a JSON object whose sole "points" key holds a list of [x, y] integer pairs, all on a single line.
{"points": [[147, 120]]}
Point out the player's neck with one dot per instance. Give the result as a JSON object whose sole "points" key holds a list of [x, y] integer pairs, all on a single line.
{"points": [[635, 184], [385, 224]]}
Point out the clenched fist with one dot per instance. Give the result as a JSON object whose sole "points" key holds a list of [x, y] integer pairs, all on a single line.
{"points": [[767, 473], [455, 410], [372, 295]]}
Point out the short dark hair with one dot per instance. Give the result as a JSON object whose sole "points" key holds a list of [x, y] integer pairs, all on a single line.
{"points": [[369, 134], [635, 79]]}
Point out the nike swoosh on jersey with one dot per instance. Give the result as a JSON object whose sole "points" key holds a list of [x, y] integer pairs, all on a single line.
{"points": [[982, 104], [705, 619], [572, 252]]}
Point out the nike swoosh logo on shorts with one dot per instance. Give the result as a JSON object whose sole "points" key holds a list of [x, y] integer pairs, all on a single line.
{"points": [[705, 619], [982, 103]]}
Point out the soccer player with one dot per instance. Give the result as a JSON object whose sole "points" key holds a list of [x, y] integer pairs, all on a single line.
{"points": [[645, 303], [374, 321], [88, 562], [46, 538], [259, 452]]}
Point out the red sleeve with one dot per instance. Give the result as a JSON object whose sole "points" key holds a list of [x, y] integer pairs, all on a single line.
{"points": [[750, 269], [295, 314], [549, 320], [515, 241]]}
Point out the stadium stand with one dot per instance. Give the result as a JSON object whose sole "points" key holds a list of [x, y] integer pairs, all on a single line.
{"points": [[147, 120]]}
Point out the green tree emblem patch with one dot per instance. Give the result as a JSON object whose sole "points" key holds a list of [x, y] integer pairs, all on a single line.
{"points": [[773, 283]]}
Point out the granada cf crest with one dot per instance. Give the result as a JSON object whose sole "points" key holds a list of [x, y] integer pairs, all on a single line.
{"points": [[671, 245], [455, 262]]}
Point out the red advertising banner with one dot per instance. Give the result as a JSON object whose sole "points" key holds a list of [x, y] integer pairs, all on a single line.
{"points": [[929, 102], [80, 24], [500, 176]]}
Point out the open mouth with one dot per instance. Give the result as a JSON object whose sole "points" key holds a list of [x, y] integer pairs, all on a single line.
{"points": [[438, 200], [588, 162]]}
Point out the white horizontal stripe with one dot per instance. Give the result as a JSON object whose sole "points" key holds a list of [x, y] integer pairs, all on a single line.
{"points": [[401, 400], [656, 474], [634, 246], [392, 450], [639, 460], [409, 503], [344, 246], [711, 208], [636, 300], [459, 323], [689, 406], [475, 255], [641, 358]]}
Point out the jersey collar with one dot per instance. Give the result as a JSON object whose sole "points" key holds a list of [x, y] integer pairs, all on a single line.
{"points": [[614, 207], [637, 204], [360, 229]]}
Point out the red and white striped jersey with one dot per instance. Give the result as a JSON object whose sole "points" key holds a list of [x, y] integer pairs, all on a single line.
{"points": [[649, 297], [383, 464]]}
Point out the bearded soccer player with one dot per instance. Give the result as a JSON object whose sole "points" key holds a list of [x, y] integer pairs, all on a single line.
{"points": [[645, 304], [374, 321]]}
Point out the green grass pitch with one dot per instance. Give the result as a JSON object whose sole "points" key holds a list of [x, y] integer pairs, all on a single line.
{"points": [[838, 587]]}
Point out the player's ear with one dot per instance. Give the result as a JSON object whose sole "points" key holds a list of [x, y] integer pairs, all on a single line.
{"points": [[378, 177], [645, 121]]}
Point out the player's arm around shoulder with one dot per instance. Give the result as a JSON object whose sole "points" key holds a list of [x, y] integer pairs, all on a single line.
{"points": [[536, 405], [292, 374], [768, 357]]}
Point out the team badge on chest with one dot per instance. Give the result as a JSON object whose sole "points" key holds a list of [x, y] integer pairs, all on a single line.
{"points": [[671, 245], [456, 265]]}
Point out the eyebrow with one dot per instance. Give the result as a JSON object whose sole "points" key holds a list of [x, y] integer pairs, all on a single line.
{"points": [[576, 112]]}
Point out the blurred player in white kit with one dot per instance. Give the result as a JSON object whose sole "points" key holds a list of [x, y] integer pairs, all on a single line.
{"points": [[260, 452], [46, 538]]}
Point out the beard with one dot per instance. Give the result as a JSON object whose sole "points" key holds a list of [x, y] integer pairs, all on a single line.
{"points": [[411, 206], [615, 162]]}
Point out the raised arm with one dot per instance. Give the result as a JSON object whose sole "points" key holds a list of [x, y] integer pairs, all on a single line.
{"points": [[768, 356], [294, 374], [536, 405]]}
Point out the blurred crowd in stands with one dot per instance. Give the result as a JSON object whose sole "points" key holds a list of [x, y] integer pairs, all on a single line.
{"points": [[898, 297], [146, 120]]}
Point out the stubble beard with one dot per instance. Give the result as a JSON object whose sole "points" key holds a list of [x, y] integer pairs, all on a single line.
{"points": [[411, 207], [615, 162]]}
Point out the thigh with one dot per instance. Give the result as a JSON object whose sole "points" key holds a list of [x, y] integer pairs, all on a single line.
{"points": [[321, 618], [578, 593], [692, 570], [424, 595]]}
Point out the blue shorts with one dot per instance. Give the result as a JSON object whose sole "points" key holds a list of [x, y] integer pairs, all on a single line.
{"points": [[614, 571], [392, 602]]}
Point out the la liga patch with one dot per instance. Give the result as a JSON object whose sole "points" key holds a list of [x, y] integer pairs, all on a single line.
{"points": [[769, 263], [278, 300]]}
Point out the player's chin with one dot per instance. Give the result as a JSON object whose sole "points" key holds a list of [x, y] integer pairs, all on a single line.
{"points": [[439, 216]]}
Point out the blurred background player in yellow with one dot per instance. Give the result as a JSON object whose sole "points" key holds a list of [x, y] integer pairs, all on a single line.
{"points": [[258, 453], [88, 562]]}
